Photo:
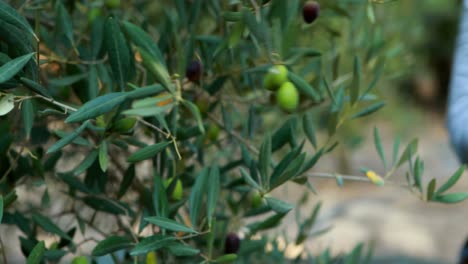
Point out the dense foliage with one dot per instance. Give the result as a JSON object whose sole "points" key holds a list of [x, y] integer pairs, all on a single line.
{"points": [[157, 130]]}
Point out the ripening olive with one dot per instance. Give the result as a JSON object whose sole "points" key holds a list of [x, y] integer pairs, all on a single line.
{"points": [[310, 11], [194, 71], [287, 97], [93, 14], [232, 243], [178, 190], [275, 77]]}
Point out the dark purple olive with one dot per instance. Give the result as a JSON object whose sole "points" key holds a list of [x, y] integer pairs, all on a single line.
{"points": [[231, 244], [310, 11], [194, 71]]}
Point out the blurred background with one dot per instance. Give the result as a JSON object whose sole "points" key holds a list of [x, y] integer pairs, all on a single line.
{"points": [[402, 228]]}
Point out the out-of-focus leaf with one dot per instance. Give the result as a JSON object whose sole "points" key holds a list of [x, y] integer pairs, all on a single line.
{"points": [[278, 205], [117, 50], [451, 181], [196, 113], [68, 139], [410, 150], [107, 205], [111, 244], [356, 84], [11, 68], [37, 253], [169, 224], [368, 110], [378, 146], [309, 130], [10, 15], [127, 180], [35, 87], [141, 39], [264, 160], [49, 226], [148, 152], [27, 110], [182, 250], [103, 156], [212, 192], [451, 197], [431, 189], [152, 243], [96, 107], [196, 195]]}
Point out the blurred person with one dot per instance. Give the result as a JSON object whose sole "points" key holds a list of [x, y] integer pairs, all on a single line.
{"points": [[457, 116]]}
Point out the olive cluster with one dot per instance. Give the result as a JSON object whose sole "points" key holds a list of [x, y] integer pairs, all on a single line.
{"points": [[287, 95]]}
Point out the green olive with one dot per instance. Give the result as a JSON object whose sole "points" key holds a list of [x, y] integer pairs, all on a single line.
{"points": [[276, 76], [256, 199], [93, 14], [80, 260], [213, 132], [287, 97], [178, 191]]}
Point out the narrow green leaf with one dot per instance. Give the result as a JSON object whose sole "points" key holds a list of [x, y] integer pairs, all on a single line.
{"points": [[35, 87], [103, 156], [148, 111], [169, 224], [248, 179], [107, 205], [118, 52], [11, 68], [264, 160], [144, 92], [308, 224], [68, 139], [294, 169], [96, 107], [410, 150], [396, 146], [451, 181], [86, 163], [64, 22], [212, 192], [10, 15], [111, 244], [152, 243], [127, 180], [196, 195], [70, 79], [48, 226], [182, 250], [368, 110], [278, 205], [303, 86], [378, 146], [196, 113], [157, 69], [268, 223], [307, 124], [430, 189], [160, 200], [356, 84], [148, 152], [141, 39], [451, 198], [38, 251], [27, 110], [418, 171]]}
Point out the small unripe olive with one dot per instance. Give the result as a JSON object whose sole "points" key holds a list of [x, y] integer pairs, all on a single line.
{"points": [[231, 243], [93, 14], [178, 191], [194, 71], [256, 199], [213, 132], [112, 3], [310, 11], [287, 97], [80, 260], [151, 258], [275, 77]]}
